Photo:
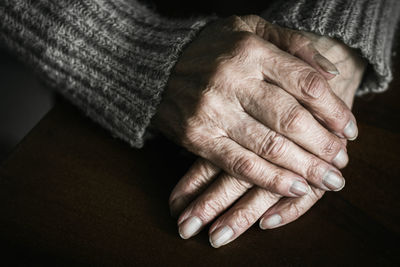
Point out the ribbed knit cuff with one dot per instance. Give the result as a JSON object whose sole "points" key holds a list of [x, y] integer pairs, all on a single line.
{"points": [[366, 25], [112, 58]]}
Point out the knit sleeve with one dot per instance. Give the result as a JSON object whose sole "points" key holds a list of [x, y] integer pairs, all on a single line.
{"points": [[365, 25], [112, 58]]}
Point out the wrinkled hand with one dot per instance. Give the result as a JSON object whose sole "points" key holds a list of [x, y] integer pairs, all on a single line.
{"points": [[346, 60], [254, 203], [238, 100]]}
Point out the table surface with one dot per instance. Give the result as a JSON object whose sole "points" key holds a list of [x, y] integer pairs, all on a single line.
{"points": [[70, 193]]}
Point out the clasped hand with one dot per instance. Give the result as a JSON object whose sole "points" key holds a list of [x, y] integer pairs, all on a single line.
{"points": [[269, 116]]}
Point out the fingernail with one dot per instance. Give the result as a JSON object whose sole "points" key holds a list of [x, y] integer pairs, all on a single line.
{"points": [[177, 206], [350, 131], [341, 159], [221, 236], [325, 64], [333, 181], [298, 188], [190, 227], [270, 222]]}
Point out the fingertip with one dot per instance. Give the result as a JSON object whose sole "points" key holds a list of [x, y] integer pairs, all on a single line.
{"points": [[351, 130], [340, 188], [333, 181], [190, 227], [341, 159], [326, 65], [334, 72], [270, 222], [221, 236], [261, 224], [299, 189]]}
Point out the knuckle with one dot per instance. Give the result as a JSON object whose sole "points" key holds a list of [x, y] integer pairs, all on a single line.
{"points": [[244, 218], [339, 112], [191, 135], [276, 179], [245, 44], [239, 186], [298, 38], [267, 196], [311, 84], [244, 39], [295, 211], [206, 169], [313, 172], [198, 128], [199, 182], [233, 20], [209, 208], [330, 147], [293, 121], [274, 146], [318, 193], [315, 194], [297, 41], [243, 166]]}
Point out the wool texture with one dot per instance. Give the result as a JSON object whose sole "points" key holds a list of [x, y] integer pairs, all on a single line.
{"points": [[113, 58], [366, 25]]}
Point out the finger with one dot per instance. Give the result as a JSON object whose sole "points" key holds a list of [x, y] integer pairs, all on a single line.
{"points": [[199, 176], [295, 43], [287, 117], [241, 216], [219, 196], [306, 51], [281, 151], [288, 210], [245, 165], [311, 89]]}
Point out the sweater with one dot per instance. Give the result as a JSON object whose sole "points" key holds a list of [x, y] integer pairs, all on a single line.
{"points": [[365, 25], [113, 58]]}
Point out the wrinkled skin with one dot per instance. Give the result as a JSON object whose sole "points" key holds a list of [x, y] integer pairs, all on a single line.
{"points": [[205, 191], [253, 99]]}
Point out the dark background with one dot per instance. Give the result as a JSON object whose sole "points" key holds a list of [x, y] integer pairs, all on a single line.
{"points": [[56, 208], [222, 8], [23, 102]]}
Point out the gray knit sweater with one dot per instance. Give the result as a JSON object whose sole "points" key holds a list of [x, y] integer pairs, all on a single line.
{"points": [[366, 25], [112, 58]]}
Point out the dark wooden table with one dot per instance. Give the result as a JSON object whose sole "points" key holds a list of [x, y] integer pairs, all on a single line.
{"points": [[71, 194]]}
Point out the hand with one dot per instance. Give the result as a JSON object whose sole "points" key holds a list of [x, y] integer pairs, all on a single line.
{"points": [[235, 98], [256, 203], [346, 60]]}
